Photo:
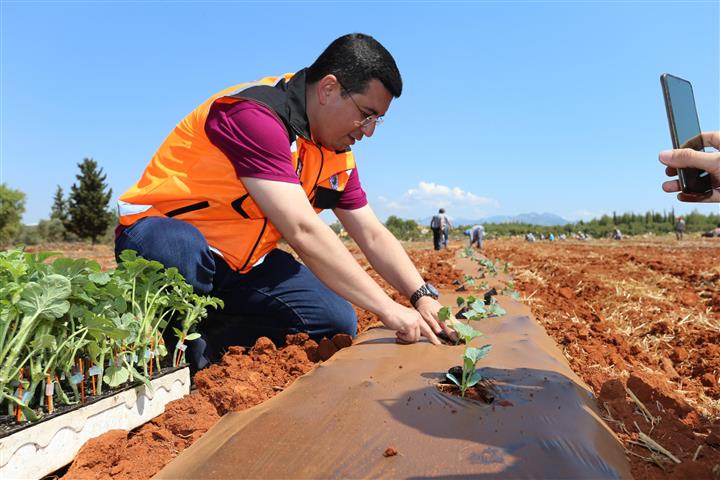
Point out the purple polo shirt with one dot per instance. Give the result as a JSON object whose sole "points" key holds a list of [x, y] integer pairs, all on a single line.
{"points": [[256, 143]]}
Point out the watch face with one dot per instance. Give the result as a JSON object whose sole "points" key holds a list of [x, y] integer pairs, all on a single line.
{"points": [[433, 290]]}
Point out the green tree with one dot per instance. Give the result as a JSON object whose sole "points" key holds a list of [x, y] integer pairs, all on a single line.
{"points": [[59, 208], [88, 213], [403, 229], [12, 206]]}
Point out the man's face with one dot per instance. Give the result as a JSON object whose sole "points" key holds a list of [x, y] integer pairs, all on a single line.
{"points": [[342, 119]]}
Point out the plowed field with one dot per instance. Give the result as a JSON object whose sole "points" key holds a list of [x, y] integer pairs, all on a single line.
{"points": [[639, 321], [639, 315]]}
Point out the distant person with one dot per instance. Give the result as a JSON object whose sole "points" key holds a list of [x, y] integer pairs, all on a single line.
{"points": [[687, 157], [530, 237], [477, 235], [551, 237], [680, 228], [715, 232], [617, 234], [446, 232], [562, 236], [438, 224]]}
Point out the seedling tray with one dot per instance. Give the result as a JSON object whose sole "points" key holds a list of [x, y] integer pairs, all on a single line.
{"points": [[35, 450]]}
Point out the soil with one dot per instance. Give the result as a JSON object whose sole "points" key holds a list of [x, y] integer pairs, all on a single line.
{"points": [[640, 316]]}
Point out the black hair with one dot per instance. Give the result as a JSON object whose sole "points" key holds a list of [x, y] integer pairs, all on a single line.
{"points": [[442, 210], [355, 59]]}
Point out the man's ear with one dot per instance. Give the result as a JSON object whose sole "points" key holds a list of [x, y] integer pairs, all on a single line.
{"points": [[325, 88]]}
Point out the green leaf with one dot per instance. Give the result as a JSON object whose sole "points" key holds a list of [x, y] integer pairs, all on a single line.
{"points": [[44, 341], [460, 301], [444, 314], [137, 376], [468, 365], [161, 350], [452, 378], [100, 278], [115, 376], [497, 310], [474, 378], [46, 298], [465, 331], [476, 354], [120, 305], [479, 307], [192, 336]]}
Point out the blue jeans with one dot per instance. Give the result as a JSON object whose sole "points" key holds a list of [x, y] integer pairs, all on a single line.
{"points": [[278, 297]]}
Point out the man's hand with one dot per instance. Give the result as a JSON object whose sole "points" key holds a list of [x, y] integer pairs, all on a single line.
{"points": [[408, 324], [689, 158], [428, 308]]}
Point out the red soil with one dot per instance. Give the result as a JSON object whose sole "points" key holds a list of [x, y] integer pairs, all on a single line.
{"points": [[638, 315]]}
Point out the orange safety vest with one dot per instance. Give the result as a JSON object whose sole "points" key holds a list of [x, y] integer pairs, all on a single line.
{"points": [[191, 179]]}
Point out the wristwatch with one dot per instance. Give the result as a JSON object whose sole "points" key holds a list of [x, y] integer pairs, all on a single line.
{"points": [[427, 290]]}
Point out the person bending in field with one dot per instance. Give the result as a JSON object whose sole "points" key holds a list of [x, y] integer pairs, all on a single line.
{"points": [[257, 162], [477, 235]]}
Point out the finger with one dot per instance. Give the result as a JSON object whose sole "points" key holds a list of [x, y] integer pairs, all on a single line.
{"points": [[711, 139], [687, 157], [427, 332], [431, 320], [402, 337], [688, 197], [671, 171], [671, 186]]}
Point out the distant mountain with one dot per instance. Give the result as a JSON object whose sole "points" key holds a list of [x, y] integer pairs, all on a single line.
{"points": [[544, 219]]}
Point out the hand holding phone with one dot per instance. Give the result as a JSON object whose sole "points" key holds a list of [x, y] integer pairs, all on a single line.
{"points": [[689, 157], [693, 180]]}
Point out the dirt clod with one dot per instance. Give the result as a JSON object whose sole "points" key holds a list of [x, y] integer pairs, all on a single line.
{"points": [[390, 452]]}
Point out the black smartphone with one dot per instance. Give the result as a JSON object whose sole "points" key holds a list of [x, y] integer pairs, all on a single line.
{"points": [[685, 130]]}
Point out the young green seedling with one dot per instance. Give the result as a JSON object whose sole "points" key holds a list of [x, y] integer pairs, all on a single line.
{"points": [[470, 376]]}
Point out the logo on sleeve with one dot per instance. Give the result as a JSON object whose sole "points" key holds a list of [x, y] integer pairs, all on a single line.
{"points": [[334, 182], [301, 154]]}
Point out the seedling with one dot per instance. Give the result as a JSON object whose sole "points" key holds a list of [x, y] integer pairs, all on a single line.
{"points": [[510, 291], [489, 266], [476, 310], [470, 376]]}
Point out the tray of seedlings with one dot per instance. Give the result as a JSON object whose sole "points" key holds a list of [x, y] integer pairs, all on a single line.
{"points": [[83, 351]]}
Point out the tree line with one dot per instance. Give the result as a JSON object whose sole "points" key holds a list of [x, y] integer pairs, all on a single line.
{"points": [[83, 215], [655, 223]]}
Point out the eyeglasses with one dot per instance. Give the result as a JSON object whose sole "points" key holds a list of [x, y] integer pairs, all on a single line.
{"points": [[368, 119]]}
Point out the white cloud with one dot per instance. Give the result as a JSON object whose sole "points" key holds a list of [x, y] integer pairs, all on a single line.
{"points": [[392, 205], [436, 195], [428, 197]]}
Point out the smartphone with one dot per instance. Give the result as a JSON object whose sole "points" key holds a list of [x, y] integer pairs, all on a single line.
{"points": [[685, 130]]}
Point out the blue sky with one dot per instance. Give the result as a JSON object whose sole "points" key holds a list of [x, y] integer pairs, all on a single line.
{"points": [[507, 107]]}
